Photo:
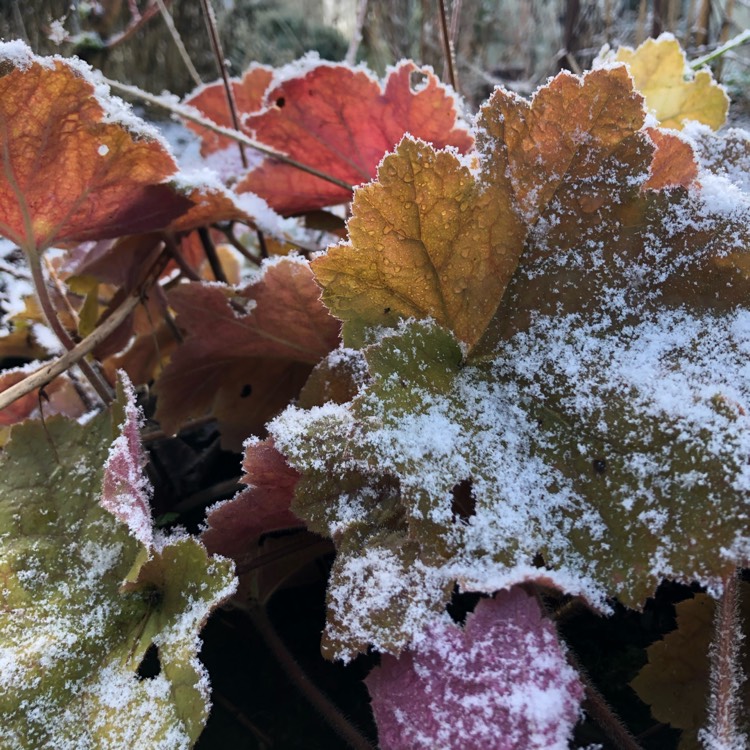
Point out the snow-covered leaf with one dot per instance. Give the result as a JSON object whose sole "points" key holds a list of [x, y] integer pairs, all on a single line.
{"points": [[501, 682], [73, 631]]}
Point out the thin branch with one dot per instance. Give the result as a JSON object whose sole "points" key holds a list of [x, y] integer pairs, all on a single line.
{"points": [[236, 244], [356, 40], [51, 370], [177, 39], [736, 41], [211, 255], [213, 34], [330, 712], [40, 285], [188, 113], [174, 253], [447, 46]]}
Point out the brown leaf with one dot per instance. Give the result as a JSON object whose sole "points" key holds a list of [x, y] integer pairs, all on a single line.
{"points": [[248, 351]]}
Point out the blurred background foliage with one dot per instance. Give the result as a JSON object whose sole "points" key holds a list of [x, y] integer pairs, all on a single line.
{"points": [[516, 43]]}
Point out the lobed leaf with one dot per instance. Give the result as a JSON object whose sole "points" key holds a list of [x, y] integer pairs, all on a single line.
{"points": [[333, 118], [594, 434], [73, 633], [247, 351], [673, 93]]}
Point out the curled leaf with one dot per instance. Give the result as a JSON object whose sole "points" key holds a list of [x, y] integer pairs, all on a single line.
{"points": [[73, 634]]}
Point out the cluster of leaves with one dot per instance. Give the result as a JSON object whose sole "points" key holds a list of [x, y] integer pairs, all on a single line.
{"points": [[526, 371]]}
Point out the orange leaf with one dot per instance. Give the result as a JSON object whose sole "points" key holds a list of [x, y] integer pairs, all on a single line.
{"points": [[674, 161], [76, 164], [426, 240], [247, 352], [341, 122]]}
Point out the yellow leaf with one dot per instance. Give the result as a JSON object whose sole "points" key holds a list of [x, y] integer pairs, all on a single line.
{"points": [[426, 240], [673, 93]]}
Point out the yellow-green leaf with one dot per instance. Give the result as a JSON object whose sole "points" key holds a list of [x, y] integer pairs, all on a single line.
{"points": [[672, 92]]}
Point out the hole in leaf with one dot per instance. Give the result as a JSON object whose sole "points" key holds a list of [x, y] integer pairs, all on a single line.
{"points": [[280, 102], [246, 391], [464, 502], [417, 81], [150, 665], [599, 465]]}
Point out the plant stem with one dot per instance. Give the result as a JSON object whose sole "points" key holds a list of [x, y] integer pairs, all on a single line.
{"points": [[177, 39], [302, 682], [174, 253], [50, 314], [190, 114], [213, 34], [726, 675], [211, 255], [75, 356], [447, 46], [736, 41]]}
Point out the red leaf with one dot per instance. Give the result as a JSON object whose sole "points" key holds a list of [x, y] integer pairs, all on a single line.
{"points": [[342, 122], [76, 164], [236, 524], [501, 682], [211, 101], [247, 351]]}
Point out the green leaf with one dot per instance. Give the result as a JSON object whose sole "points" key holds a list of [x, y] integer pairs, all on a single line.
{"points": [[73, 632]]}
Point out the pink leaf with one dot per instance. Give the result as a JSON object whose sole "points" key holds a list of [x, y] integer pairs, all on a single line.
{"points": [[126, 491], [500, 683]]}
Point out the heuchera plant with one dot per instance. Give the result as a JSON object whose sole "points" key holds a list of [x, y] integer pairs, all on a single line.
{"points": [[526, 378]]}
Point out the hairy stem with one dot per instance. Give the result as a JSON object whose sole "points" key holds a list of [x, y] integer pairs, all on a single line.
{"points": [[726, 675], [302, 682]]}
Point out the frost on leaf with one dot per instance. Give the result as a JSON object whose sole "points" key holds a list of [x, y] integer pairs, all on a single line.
{"points": [[73, 633], [432, 239], [501, 681], [99, 176], [595, 433], [247, 351], [342, 121], [674, 94]]}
